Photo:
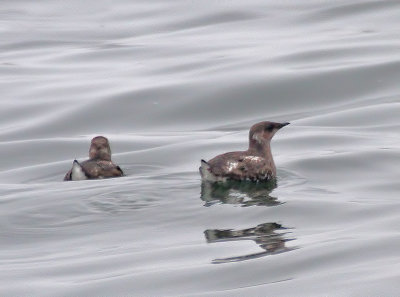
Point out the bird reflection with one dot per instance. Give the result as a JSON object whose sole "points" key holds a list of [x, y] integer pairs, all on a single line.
{"points": [[243, 193], [269, 236]]}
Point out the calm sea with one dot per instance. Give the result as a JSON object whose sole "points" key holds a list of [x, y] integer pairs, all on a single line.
{"points": [[170, 83]]}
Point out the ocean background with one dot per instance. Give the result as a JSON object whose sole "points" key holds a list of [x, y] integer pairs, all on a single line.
{"points": [[173, 82]]}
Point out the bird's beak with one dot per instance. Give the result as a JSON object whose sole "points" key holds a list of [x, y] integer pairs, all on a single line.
{"points": [[283, 125]]}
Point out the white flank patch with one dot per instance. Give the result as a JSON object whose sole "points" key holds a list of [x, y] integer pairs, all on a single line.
{"points": [[253, 158], [232, 165], [77, 172]]}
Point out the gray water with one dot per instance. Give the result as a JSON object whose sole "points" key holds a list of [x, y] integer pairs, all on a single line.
{"points": [[170, 83]]}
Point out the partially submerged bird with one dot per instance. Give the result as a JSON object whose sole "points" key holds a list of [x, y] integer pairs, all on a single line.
{"points": [[99, 164], [255, 164]]}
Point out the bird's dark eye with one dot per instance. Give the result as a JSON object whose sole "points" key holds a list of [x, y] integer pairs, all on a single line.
{"points": [[269, 128]]}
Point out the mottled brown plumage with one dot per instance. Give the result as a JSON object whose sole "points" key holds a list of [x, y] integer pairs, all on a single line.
{"points": [[254, 164], [99, 164]]}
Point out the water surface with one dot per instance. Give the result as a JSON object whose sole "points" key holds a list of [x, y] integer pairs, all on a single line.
{"points": [[170, 83]]}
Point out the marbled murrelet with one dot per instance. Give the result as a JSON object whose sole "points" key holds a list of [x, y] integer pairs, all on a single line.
{"points": [[255, 164], [99, 164]]}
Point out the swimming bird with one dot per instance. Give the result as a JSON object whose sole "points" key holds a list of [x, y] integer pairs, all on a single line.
{"points": [[255, 164], [99, 164]]}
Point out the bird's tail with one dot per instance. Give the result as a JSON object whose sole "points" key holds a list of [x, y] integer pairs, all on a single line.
{"points": [[206, 172], [204, 168], [77, 171]]}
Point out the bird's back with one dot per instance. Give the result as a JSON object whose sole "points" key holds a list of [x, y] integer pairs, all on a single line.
{"points": [[93, 169], [101, 169], [237, 166]]}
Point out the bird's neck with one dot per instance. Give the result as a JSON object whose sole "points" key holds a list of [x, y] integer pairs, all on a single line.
{"points": [[262, 149], [100, 154]]}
